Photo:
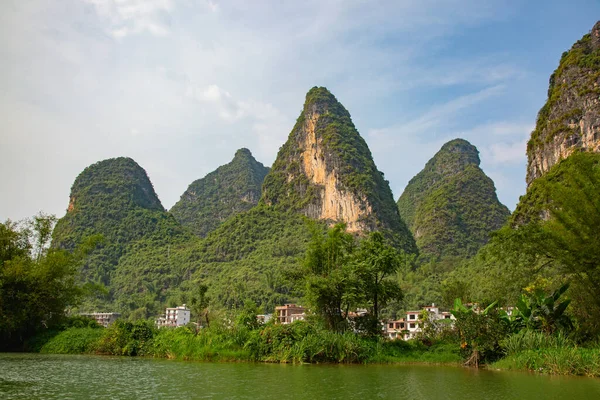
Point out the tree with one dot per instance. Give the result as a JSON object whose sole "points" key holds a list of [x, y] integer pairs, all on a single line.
{"points": [[543, 312], [36, 287], [375, 261], [328, 275], [554, 239], [200, 302], [480, 332]]}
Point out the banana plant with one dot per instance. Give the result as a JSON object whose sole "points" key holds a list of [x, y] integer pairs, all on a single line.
{"points": [[543, 312]]}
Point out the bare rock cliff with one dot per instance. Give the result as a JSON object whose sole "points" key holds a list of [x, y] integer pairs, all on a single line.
{"points": [[570, 119], [325, 171]]}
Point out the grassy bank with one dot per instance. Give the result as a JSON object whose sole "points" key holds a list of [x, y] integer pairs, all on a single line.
{"points": [[300, 342], [550, 354], [558, 361]]}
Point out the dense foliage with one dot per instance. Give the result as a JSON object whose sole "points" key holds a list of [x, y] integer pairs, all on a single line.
{"points": [[341, 275], [553, 240], [299, 342], [37, 284], [229, 190], [451, 205]]}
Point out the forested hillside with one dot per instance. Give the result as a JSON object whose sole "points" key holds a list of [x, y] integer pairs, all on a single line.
{"points": [[230, 189], [451, 206]]}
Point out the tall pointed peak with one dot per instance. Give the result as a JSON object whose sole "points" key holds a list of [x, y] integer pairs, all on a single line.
{"points": [[319, 100], [461, 146], [451, 206], [326, 171], [453, 157]]}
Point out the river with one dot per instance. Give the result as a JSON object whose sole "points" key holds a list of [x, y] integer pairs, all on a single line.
{"points": [[38, 376]]}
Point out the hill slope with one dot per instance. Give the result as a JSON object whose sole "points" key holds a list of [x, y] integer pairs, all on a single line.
{"points": [[229, 190], [451, 205], [114, 198]]}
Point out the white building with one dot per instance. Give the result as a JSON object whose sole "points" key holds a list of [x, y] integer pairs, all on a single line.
{"points": [[103, 318], [289, 313], [409, 327], [177, 316], [263, 318]]}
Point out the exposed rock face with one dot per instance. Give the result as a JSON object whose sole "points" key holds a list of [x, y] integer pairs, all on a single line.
{"points": [[230, 189], [325, 171], [451, 205], [570, 119]]}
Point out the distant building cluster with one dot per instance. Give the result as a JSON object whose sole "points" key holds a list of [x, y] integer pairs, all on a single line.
{"points": [[174, 317], [408, 327], [403, 329], [289, 313], [103, 318]]}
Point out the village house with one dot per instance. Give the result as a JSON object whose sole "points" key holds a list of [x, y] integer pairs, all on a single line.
{"points": [[176, 316], [263, 318], [289, 313], [396, 329], [408, 328], [103, 318]]}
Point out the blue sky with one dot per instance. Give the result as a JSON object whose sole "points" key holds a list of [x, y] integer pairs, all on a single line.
{"points": [[180, 85]]}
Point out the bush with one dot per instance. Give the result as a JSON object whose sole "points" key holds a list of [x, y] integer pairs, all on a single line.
{"points": [[73, 341], [127, 338], [558, 360], [533, 340]]}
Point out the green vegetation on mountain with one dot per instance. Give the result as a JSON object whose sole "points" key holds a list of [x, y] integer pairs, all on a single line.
{"points": [[230, 189], [114, 199], [250, 257], [324, 133], [451, 205], [247, 258]]}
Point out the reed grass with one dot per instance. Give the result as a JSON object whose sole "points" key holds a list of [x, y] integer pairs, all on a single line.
{"points": [[300, 342]]}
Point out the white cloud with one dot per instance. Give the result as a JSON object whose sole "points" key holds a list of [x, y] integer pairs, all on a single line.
{"points": [[190, 81], [501, 153], [129, 17], [226, 107], [439, 115], [504, 142]]}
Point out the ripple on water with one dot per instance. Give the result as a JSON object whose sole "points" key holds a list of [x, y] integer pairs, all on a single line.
{"points": [[38, 376]]}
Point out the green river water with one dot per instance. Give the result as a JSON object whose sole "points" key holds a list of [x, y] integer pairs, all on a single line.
{"points": [[37, 376]]}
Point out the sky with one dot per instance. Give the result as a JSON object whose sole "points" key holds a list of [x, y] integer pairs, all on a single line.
{"points": [[180, 85]]}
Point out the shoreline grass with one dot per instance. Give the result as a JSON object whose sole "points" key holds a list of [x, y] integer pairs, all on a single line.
{"points": [[297, 344], [554, 361]]}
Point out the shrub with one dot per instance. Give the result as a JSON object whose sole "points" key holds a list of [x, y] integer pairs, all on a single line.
{"points": [[73, 341]]}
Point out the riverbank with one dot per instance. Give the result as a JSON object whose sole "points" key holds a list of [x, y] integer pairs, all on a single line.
{"points": [[302, 342], [554, 361], [295, 343]]}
